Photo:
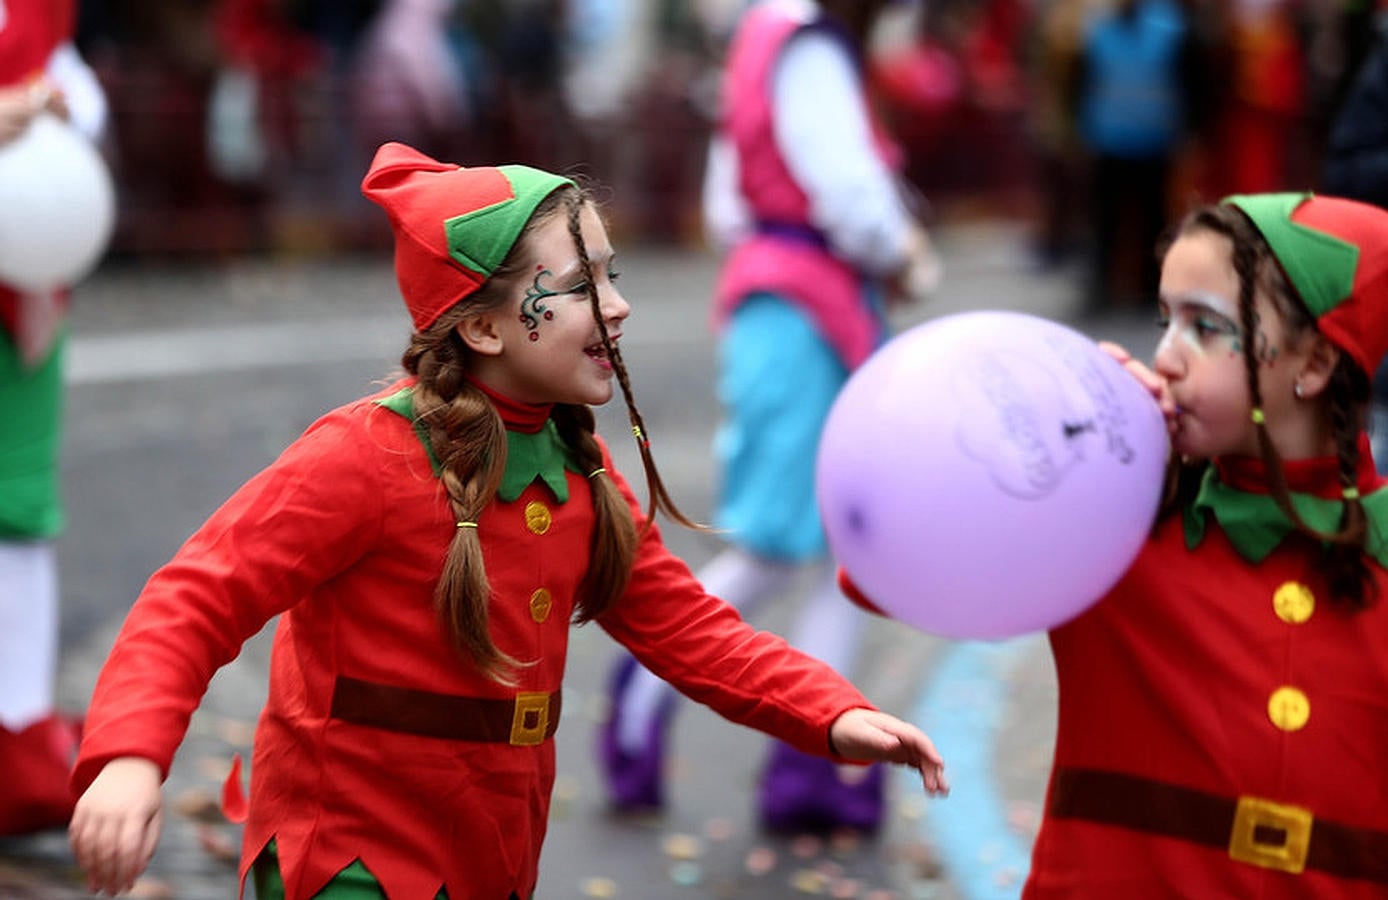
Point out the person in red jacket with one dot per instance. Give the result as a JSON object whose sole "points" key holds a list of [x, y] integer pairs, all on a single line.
{"points": [[41, 73], [428, 548], [1223, 710]]}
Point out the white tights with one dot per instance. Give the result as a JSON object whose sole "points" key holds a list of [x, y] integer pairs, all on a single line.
{"points": [[28, 632], [829, 627]]}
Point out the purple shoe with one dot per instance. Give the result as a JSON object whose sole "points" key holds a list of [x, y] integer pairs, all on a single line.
{"points": [[635, 781], [801, 793]]}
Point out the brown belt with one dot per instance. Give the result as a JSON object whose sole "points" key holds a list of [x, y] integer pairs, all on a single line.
{"points": [[524, 721], [1253, 830]]}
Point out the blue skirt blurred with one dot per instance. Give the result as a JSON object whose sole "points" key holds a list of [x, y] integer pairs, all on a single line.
{"points": [[777, 380]]}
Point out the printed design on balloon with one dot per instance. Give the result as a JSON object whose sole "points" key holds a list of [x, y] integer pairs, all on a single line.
{"points": [[1005, 425], [1029, 426], [1107, 414]]}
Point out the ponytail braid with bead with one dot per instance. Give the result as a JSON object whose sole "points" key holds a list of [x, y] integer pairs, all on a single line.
{"points": [[1347, 392]]}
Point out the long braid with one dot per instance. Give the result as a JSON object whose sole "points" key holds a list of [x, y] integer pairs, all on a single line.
{"points": [[1349, 574], [469, 442], [1346, 569], [1246, 265], [613, 545], [660, 500]]}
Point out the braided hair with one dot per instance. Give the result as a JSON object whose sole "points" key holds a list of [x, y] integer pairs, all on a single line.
{"points": [[1347, 396]]}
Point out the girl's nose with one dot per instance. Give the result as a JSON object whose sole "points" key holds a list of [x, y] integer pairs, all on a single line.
{"points": [[1167, 361], [613, 305]]}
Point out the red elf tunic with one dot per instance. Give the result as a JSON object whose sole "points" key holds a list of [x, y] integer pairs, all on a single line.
{"points": [[345, 535], [1223, 726]]}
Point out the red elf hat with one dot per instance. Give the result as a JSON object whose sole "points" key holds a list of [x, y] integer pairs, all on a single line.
{"points": [[1335, 254], [453, 225]]}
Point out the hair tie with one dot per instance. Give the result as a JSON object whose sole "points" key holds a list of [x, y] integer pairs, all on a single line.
{"points": [[1351, 493], [1257, 415], [467, 524], [640, 438], [596, 472]]}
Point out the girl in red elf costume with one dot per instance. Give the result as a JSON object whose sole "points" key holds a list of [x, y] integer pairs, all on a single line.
{"points": [[428, 548], [1223, 714], [1223, 719]]}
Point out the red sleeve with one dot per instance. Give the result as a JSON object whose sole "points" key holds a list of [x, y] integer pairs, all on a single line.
{"points": [[303, 519], [702, 646]]}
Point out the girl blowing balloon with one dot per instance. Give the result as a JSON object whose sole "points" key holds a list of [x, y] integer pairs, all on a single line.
{"points": [[428, 547], [1223, 714]]}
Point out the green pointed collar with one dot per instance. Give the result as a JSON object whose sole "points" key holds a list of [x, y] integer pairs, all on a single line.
{"points": [[1255, 524], [542, 455]]}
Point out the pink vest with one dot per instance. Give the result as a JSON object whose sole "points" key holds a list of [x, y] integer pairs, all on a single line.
{"points": [[786, 256]]}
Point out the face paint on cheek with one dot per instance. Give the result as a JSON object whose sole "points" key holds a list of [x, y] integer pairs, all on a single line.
{"points": [[533, 309], [1267, 354], [1190, 341]]}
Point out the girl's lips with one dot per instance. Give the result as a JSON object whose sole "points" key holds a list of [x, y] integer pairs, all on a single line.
{"points": [[597, 352]]}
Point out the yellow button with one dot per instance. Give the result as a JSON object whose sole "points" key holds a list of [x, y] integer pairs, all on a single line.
{"points": [[1294, 602], [540, 604], [537, 517], [1288, 708]]}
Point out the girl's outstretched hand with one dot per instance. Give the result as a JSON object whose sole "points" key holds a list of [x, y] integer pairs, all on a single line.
{"points": [[866, 734], [1156, 385], [116, 824]]}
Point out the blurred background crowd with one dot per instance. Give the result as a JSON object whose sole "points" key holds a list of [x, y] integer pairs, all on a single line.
{"points": [[245, 125]]}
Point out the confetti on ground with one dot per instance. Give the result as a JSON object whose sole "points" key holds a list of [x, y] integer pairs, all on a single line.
{"points": [[200, 805], [235, 731], [829, 869], [880, 894], [845, 842], [806, 846], [686, 874], [600, 888], [1024, 818], [911, 808], [217, 844], [214, 767], [808, 881], [566, 791], [683, 846], [922, 858], [719, 829], [845, 889], [151, 889], [760, 860]]}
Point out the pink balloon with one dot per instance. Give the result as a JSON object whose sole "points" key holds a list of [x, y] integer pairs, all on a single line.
{"points": [[989, 474]]}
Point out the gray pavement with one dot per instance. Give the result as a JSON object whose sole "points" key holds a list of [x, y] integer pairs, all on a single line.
{"points": [[184, 381]]}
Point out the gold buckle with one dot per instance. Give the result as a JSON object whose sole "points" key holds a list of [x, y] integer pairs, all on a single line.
{"points": [[530, 719], [1293, 821]]}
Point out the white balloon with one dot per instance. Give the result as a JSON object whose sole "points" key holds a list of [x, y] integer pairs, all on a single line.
{"points": [[57, 206]]}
